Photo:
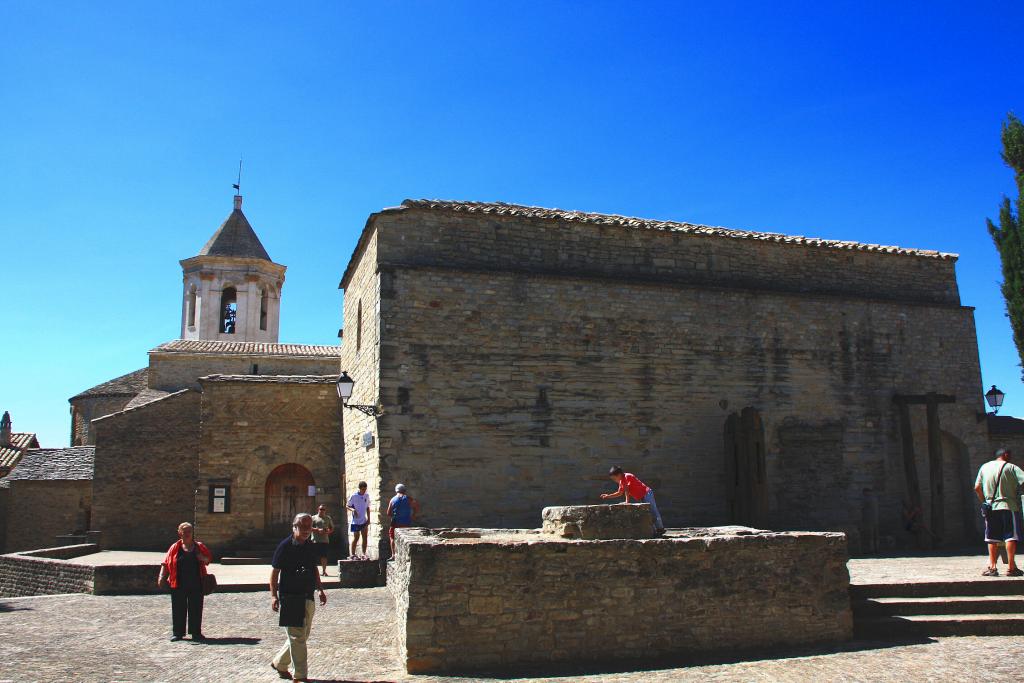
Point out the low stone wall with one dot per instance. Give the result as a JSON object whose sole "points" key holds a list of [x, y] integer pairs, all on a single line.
{"points": [[473, 599], [22, 575], [50, 571], [125, 579]]}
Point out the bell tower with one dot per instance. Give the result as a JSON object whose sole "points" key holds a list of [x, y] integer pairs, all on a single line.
{"points": [[232, 290]]}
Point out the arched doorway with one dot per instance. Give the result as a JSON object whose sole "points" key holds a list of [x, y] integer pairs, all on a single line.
{"points": [[287, 494]]}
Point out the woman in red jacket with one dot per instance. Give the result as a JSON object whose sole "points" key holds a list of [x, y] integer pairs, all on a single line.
{"points": [[184, 568]]}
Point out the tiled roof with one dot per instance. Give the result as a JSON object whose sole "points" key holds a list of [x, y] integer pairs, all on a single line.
{"points": [[273, 379], [246, 348], [145, 396], [235, 237], [10, 455], [143, 404], [125, 385], [503, 209], [74, 463]]}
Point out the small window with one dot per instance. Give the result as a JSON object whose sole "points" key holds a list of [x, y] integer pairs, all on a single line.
{"points": [[263, 310], [220, 498], [192, 306], [228, 310], [359, 325], [255, 368]]}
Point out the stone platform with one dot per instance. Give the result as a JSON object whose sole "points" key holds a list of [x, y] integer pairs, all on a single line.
{"points": [[86, 569], [473, 599]]}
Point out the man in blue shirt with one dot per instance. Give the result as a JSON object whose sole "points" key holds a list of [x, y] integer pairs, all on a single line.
{"points": [[295, 563], [402, 511]]}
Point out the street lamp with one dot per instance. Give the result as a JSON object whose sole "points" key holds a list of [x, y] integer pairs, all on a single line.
{"points": [[995, 399], [345, 386]]}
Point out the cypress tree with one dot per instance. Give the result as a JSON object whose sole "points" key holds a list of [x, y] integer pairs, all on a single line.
{"points": [[1009, 234]]}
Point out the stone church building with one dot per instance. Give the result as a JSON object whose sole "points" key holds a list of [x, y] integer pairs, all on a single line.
{"points": [[225, 426], [778, 381], [773, 380]]}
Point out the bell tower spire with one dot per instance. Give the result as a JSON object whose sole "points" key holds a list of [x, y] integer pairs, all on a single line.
{"points": [[232, 289]]}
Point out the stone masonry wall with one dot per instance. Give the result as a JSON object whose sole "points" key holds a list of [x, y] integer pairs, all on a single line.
{"points": [[41, 509], [473, 242], [506, 391], [88, 408], [174, 371], [146, 460], [21, 575], [360, 357], [253, 425], [518, 598]]}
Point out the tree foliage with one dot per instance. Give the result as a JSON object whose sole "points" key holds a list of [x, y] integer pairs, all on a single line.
{"points": [[1009, 234]]}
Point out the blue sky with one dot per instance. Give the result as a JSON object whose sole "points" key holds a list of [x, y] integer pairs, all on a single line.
{"points": [[121, 126]]}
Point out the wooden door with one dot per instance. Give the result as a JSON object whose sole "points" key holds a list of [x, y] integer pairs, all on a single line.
{"points": [[287, 494], [746, 486]]}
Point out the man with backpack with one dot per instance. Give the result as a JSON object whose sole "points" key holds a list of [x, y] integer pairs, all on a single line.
{"points": [[402, 511], [998, 488]]}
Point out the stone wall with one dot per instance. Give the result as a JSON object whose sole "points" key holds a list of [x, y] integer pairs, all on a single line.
{"points": [[22, 575], [503, 598], [88, 408], [174, 371], [518, 360], [360, 357], [40, 510], [505, 392], [251, 425], [475, 242], [146, 460]]}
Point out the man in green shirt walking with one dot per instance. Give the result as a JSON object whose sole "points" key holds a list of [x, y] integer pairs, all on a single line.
{"points": [[999, 484]]}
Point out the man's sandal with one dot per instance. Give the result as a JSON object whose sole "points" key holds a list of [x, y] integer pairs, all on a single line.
{"points": [[282, 674], [1015, 572], [990, 572]]}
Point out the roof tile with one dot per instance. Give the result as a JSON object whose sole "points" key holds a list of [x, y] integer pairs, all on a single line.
{"points": [[246, 348], [75, 463], [503, 209]]}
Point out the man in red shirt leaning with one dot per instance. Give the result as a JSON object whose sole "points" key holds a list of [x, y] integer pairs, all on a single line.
{"points": [[633, 488]]}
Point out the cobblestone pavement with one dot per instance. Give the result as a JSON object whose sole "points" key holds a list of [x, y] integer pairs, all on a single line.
{"points": [[125, 638]]}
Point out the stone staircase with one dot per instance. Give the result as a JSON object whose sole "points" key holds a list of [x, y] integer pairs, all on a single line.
{"points": [[984, 607]]}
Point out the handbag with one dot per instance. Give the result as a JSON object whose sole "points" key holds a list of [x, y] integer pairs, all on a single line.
{"points": [[209, 584], [986, 505]]}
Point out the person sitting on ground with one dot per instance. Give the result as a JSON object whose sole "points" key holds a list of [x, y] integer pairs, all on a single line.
{"points": [[402, 511], [359, 506], [323, 527], [998, 485], [631, 487]]}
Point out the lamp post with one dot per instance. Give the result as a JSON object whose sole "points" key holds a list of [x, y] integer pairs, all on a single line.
{"points": [[345, 386], [994, 397]]}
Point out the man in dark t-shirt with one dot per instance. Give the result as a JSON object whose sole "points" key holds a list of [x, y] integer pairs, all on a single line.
{"points": [[295, 577]]}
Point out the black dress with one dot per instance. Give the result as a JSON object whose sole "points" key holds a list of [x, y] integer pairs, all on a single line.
{"points": [[187, 598]]}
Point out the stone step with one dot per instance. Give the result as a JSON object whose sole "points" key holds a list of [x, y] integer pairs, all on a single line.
{"points": [[983, 586], [246, 559], [987, 604], [930, 625]]}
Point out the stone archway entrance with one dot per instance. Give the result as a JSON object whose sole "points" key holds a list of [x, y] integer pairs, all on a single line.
{"points": [[745, 468], [286, 495]]}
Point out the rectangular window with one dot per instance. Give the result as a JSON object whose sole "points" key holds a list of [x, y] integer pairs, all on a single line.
{"points": [[220, 498]]}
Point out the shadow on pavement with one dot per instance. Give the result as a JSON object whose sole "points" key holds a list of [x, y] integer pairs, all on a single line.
{"points": [[231, 641], [6, 607], [626, 665]]}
